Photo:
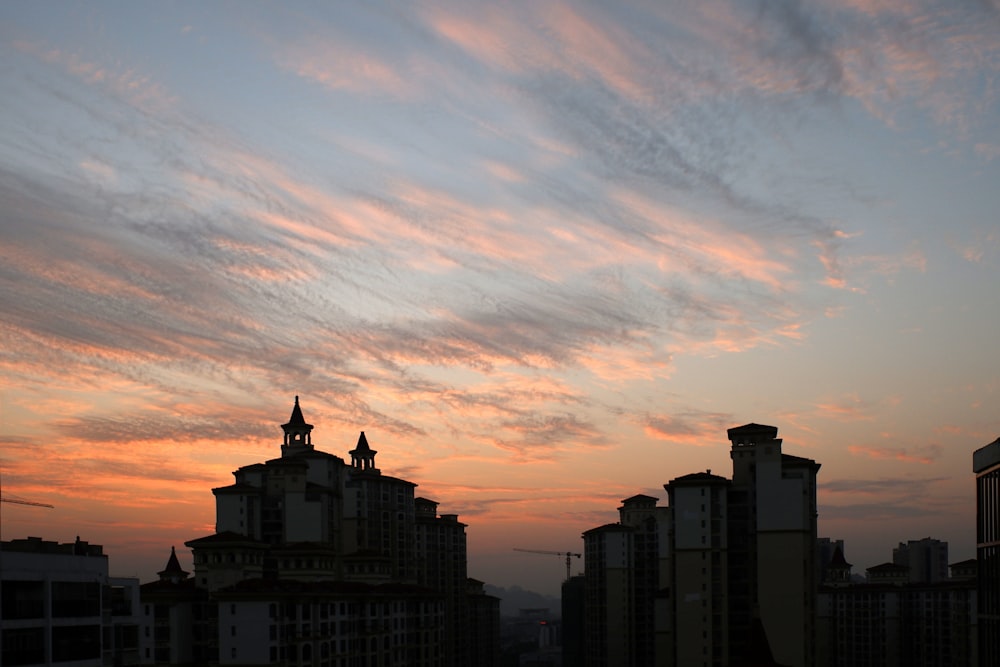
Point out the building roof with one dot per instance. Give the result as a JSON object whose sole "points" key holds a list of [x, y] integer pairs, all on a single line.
{"points": [[235, 488], [838, 560], [173, 566], [789, 459], [362, 444], [699, 478], [38, 545], [610, 528], [752, 433], [640, 499], [297, 420], [987, 457]]}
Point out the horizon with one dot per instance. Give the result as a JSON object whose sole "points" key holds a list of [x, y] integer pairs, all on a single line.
{"points": [[542, 255]]}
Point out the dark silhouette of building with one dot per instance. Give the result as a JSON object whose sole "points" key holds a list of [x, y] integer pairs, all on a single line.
{"points": [[315, 561], [483, 625], [726, 574], [573, 592], [891, 620], [59, 606], [927, 559], [986, 465]]}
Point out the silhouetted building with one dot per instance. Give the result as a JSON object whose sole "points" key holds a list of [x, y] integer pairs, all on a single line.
{"points": [[698, 575], [180, 623], [60, 606], [986, 465], [725, 575], [573, 593], [825, 548], [608, 597], [890, 621], [483, 618], [927, 559], [772, 545], [315, 561], [648, 523], [440, 564]]}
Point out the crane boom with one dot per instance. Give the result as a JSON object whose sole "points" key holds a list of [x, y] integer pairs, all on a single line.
{"points": [[567, 554], [18, 501]]}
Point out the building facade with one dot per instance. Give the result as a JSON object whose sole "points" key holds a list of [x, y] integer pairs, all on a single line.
{"points": [[772, 547], [59, 605], [726, 574], [926, 559], [986, 465], [890, 620], [322, 563]]}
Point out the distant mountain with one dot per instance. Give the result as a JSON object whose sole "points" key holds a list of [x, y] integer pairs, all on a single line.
{"points": [[515, 598]]}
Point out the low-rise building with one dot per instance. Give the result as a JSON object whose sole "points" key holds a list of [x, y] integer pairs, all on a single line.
{"points": [[59, 605]]}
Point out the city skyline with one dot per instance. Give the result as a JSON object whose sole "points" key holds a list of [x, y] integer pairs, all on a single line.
{"points": [[542, 255]]}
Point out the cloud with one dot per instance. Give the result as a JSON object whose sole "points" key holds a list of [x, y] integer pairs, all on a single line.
{"points": [[925, 454], [909, 486], [544, 437], [689, 428]]}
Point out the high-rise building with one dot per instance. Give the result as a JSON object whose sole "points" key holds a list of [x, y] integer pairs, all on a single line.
{"points": [[608, 596], [60, 606], [772, 545], [699, 582], [440, 564], [986, 465], [318, 562], [574, 629], [927, 559], [483, 625], [723, 575]]}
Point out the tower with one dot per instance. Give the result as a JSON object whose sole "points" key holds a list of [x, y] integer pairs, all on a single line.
{"points": [[986, 465], [772, 546], [298, 434], [363, 456]]}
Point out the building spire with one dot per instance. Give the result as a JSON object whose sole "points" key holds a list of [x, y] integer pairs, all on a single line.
{"points": [[298, 434], [173, 572], [363, 456]]}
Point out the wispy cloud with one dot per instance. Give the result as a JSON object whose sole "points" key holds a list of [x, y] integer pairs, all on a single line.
{"points": [[496, 238], [925, 454]]}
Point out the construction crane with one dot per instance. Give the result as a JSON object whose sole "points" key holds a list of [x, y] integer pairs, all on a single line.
{"points": [[567, 554], [20, 501]]}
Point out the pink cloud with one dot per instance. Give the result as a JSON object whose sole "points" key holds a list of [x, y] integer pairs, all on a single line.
{"points": [[924, 454]]}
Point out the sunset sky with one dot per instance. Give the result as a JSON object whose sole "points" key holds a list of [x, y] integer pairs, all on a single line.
{"points": [[544, 254]]}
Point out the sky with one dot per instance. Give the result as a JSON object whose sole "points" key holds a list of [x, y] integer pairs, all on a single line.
{"points": [[542, 253]]}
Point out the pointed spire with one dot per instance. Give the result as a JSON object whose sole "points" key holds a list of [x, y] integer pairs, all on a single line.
{"points": [[363, 456], [363, 444], [298, 434], [296, 419], [172, 572], [838, 560]]}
